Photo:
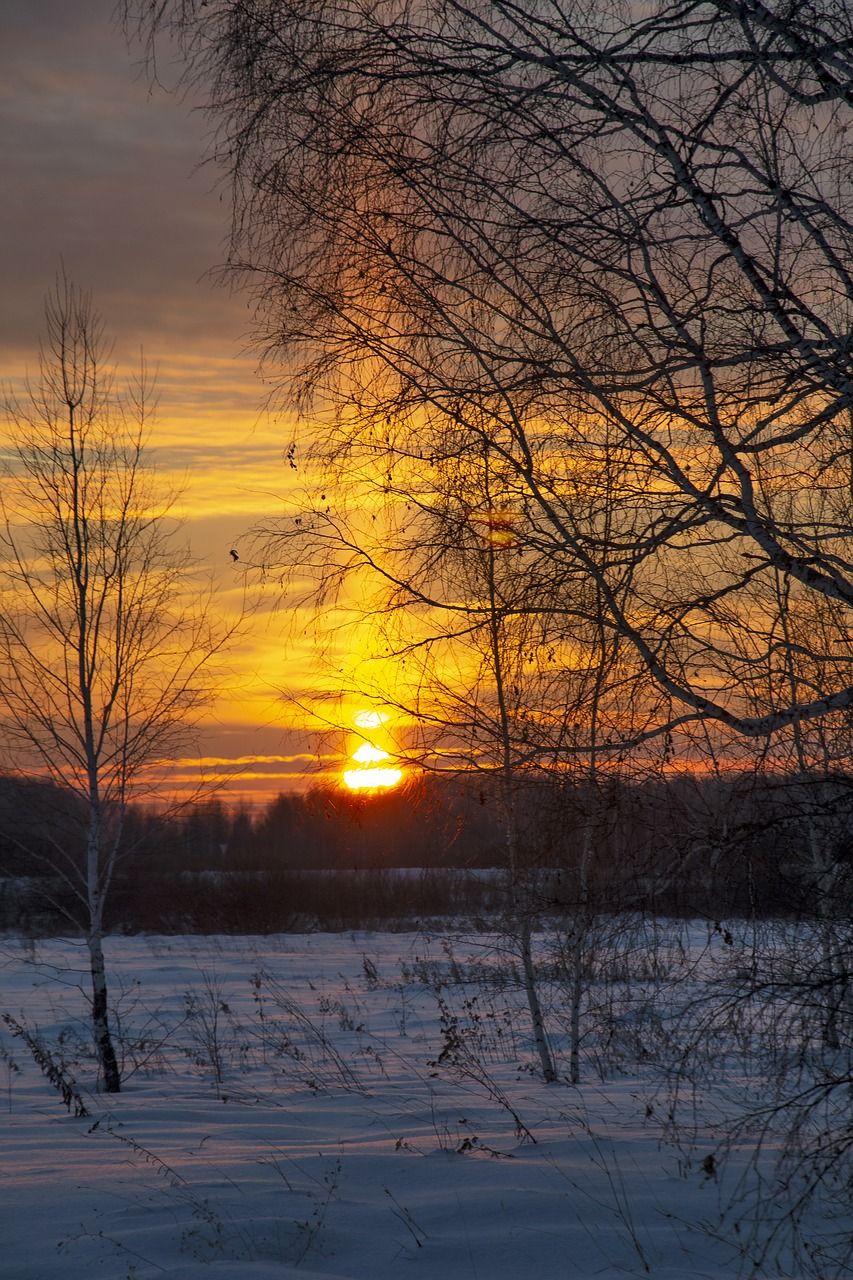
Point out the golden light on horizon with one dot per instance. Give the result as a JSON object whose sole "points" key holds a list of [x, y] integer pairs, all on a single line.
{"points": [[370, 719], [369, 755], [372, 779], [373, 772]]}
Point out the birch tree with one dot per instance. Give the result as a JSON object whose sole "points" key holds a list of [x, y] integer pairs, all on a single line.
{"points": [[511, 673], [573, 219], [105, 652]]}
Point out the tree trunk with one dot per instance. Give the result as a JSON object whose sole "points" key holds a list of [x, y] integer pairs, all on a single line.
{"points": [[576, 951], [521, 911], [95, 942], [540, 1039], [520, 903], [833, 974], [100, 1023]]}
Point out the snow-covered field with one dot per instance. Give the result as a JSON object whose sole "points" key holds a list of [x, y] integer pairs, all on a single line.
{"points": [[364, 1106]]}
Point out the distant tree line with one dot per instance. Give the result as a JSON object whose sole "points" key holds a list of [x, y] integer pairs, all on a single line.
{"points": [[709, 845]]}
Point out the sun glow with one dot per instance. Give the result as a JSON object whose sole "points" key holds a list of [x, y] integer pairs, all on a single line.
{"points": [[373, 779], [367, 754], [369, 720], [373, 773]]}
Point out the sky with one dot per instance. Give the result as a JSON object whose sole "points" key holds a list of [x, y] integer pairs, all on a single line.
{"points": [[103, 174]]}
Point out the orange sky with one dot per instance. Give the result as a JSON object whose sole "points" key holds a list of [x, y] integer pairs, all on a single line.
{"points": [[102, 174]]}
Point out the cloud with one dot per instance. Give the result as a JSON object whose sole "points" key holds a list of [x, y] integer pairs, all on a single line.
{"points": [[103, 172], [237, 762]]}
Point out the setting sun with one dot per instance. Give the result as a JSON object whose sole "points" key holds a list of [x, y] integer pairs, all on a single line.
{"points": [[373, 779], [369, 720], [373, 772]]}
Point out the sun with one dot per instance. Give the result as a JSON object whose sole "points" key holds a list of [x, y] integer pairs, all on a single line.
{"points": [[373, 771], [369, 719]]}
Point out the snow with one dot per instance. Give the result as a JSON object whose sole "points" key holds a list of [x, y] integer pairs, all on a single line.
{"points": [[287, 1112]]}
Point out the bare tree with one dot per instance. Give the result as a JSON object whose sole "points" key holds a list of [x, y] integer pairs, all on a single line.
{"points": [[532, 229], [567, 219], [810, 764], [105, 649], [511, 672]]}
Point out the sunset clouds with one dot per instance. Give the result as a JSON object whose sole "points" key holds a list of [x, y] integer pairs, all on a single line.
{"points": [[103, 173]]}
